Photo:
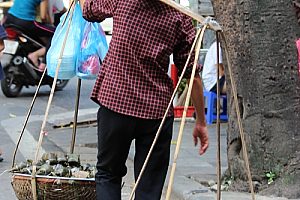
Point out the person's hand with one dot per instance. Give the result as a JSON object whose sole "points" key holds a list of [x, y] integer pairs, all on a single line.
{"points": [[201, 133], [81, 2]]}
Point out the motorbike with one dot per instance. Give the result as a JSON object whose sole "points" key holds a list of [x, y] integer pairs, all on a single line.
{"points": [[18, 70]]}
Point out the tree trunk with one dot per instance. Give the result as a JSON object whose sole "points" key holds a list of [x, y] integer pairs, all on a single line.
{"points": [[261, 39]]}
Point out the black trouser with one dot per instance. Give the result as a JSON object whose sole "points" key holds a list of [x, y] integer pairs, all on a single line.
{"points": [[115, 133]]}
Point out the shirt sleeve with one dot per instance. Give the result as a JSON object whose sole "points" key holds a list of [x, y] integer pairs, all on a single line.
{"points": [[215, 55], [98, 10], [183, 48]]}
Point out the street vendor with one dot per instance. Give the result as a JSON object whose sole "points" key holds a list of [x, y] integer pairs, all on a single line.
{"points": [[133, 90]]}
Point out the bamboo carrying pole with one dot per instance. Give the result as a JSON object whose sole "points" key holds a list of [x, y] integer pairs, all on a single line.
{"points": [[218, 123], [33, 176], [164, 118], [238, 113], [187, 100], [27, 118], [193, 15]]}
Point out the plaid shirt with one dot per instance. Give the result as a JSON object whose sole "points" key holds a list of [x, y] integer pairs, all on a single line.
{"points": [[133, 79]]}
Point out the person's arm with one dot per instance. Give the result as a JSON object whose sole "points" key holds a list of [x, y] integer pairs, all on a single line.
{"points": [[82, 2], [200, 133], [44, 12], [181, 53], [221, 69], [97, 11], [215, 57]]}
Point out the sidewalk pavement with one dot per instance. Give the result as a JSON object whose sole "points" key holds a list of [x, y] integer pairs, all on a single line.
{"points": [[192, 171]]}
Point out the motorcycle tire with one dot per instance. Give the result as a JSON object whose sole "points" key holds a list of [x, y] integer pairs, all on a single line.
{"points": [[9, 86], [60, 84]]}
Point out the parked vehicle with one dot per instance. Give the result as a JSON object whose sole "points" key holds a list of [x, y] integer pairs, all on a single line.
{"points": [[18, 70]]}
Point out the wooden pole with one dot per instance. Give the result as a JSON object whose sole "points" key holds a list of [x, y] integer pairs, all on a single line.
{"points": [[188, 96], [218, 123], [41, 136], [27, 118], [239, 121], [188, 12]]}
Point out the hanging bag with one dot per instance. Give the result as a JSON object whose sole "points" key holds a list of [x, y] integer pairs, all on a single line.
{"points": [[67, 68], [93, 48]]}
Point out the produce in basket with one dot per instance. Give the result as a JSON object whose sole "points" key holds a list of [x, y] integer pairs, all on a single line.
{"points": [[58, 164], [62, 158]]}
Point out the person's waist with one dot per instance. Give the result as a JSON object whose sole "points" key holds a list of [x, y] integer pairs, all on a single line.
{"points": [[145, 111], [18, 16]]}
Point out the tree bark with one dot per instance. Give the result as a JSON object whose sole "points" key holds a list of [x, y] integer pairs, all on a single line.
{"points": [[261, 38]]}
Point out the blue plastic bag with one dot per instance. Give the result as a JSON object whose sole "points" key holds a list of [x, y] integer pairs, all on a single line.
{"points": [[93, 48], [67, 68]]}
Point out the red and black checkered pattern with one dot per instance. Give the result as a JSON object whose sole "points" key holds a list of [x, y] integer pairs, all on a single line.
{"points": [[134, 77]]}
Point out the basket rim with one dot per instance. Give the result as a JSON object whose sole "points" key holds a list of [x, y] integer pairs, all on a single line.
{"points": [[53, 178]]}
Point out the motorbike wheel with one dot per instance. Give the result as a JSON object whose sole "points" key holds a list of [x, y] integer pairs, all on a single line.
{"points": [[10, 87], [60, 84]]}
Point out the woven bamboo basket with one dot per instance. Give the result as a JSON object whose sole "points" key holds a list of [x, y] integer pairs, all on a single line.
{"points": [[54, 188]]}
